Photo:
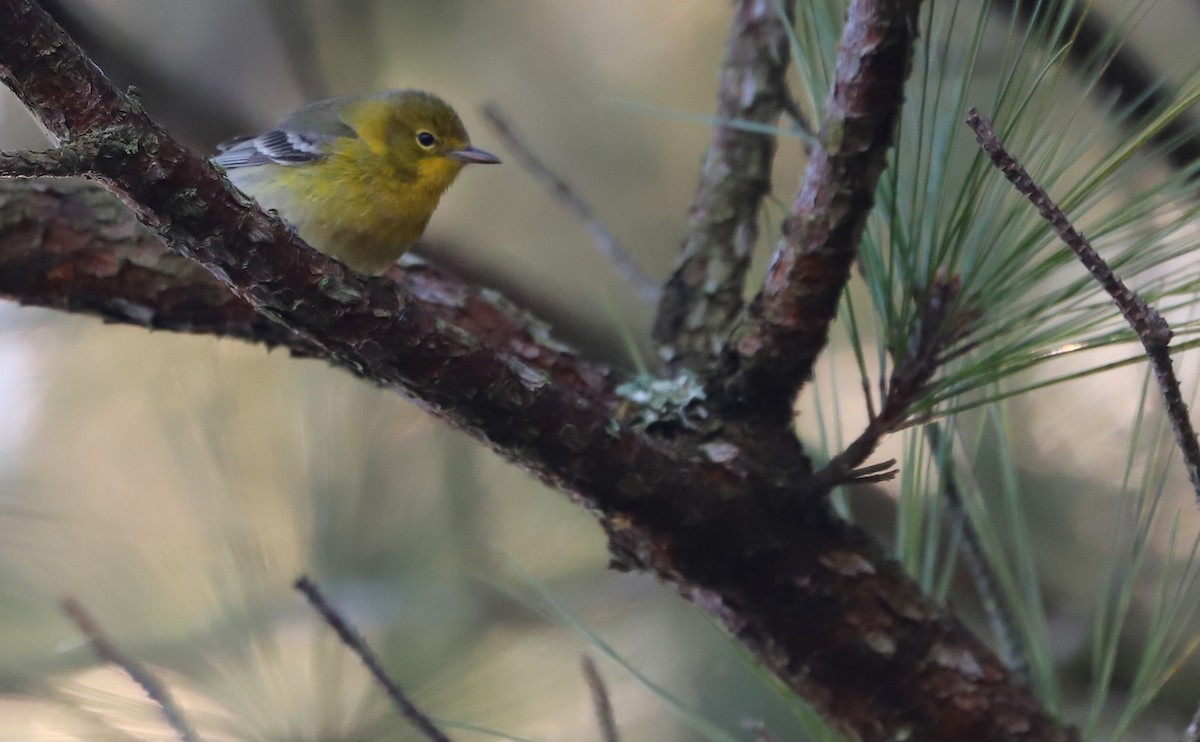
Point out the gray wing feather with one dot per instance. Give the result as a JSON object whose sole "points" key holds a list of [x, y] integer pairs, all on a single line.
{"points": [[277, 146], [298, 140]]}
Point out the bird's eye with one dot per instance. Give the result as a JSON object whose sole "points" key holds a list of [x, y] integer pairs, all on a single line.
{"points": [[426, 140]]}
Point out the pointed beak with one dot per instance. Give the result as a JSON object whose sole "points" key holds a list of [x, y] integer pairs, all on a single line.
{"points": [[469, 155]]}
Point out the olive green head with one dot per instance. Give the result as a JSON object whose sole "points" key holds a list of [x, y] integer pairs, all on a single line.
{"points": [[417, 130]]}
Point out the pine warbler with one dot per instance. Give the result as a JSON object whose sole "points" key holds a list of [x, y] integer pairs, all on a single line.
{"points": [[358, 177]]}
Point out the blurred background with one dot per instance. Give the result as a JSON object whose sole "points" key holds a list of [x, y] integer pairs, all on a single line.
{"points": [[177, 485]]}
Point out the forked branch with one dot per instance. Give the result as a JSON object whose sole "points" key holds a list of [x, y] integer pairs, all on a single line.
{"points": [[702, 299], [936, 329], [777, 342]]}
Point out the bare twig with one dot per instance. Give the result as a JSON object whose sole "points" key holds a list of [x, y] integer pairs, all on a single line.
{"points": [[600, 701], [1012, 648], [1152, 330], [604, 240], [107, 651], [354, 641], [908, 380], [1145, 320], [703, 298], [884, 471], [987, 585], [72, 160], [776, 343]]}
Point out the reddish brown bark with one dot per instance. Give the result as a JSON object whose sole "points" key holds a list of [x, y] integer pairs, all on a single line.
{"points": [[788, 323]]}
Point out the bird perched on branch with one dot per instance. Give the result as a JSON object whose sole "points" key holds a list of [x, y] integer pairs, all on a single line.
{"points": [[358, 177]]}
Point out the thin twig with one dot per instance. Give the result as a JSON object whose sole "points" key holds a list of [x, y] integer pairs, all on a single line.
{"points": [[935, 328], [107, 651], [600, 701], [1145, 320], [987, 585], [604, 240], [73, 159], [703, 298], [354, 641], [1152, 330]]}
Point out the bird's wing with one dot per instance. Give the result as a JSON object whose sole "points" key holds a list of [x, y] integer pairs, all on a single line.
{"points": [[277, 146], [300, 139]]}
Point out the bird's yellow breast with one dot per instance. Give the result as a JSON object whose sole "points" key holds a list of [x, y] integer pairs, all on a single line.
{"points": [[357, 206]]}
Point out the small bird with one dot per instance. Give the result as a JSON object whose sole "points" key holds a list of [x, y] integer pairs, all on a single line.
{"points": [[358, 177]]}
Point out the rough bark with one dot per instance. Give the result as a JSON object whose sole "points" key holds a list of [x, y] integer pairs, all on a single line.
{"points": [[788, 323], [703, 297], [76, 247]]}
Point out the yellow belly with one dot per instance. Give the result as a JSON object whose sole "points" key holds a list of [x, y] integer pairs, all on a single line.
{"points": [[365, 219]]}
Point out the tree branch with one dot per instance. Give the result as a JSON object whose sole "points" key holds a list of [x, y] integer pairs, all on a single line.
{"points": [[601, 702], [354, 641], [737, 525], [933, 333], [75, 247], [1152, 330], [777, 343], [108, 652], [72, 160], [703, 297]]}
